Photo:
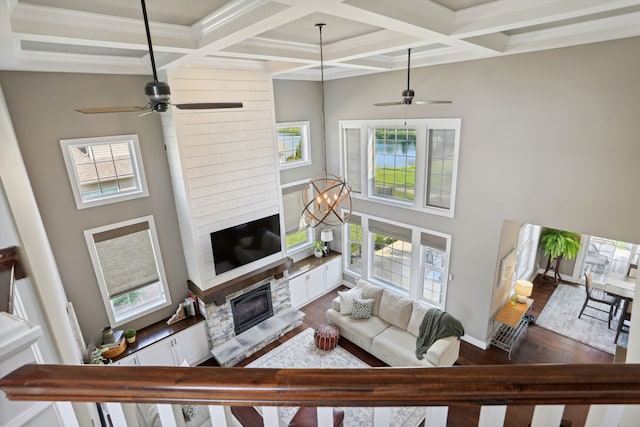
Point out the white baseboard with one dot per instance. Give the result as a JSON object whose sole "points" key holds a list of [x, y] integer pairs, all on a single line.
{"points": [[476, 342]]}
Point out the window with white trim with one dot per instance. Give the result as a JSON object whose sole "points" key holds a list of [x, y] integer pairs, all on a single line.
{"points": [[391, 255], [296, 237], [434, 255], [293, 144], [354, 242], [404, 257], [408, 163], [128, 265], [104, 169]]}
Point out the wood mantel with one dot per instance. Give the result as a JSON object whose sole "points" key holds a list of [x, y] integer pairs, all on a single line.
{"points": [[217, 295]]}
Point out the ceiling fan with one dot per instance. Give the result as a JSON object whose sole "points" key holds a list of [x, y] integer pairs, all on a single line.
{"points": [[408, 94], [158, 92]]}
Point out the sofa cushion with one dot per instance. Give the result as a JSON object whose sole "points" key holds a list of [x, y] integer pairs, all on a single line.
{"points": [[347, 298], [370, 290], [417, 315], [362, 308], [360, 332], [395, 309], [395, 347]]}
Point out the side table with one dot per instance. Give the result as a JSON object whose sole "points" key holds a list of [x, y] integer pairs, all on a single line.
{"points": [[513, 326]]}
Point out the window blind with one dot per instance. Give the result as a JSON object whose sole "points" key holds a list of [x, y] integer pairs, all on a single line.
{"points": [[390, 230], [432, 241], [354, 219], [127, 258], [353, 153], [292, 206]]}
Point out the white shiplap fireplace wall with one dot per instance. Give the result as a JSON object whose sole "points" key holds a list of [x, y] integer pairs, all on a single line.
{"points": [[223, 162]]}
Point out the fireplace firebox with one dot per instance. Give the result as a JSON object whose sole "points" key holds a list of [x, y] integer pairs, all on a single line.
{"points": [[251, 308]]}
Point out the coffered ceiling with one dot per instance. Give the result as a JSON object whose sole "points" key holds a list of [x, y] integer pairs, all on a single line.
{"points": [[360, 36]]}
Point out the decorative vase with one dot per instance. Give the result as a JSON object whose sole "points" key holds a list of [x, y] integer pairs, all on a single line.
{"points": [[318, 254], [131, 340]]}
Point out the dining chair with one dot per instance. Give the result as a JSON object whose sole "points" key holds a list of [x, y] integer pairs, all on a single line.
{"points": [[625, 317], [598, 296]]}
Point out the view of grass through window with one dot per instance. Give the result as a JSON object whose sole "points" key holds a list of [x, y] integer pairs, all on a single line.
{"points": [[355, 244], [296, 238], [394, 163]]}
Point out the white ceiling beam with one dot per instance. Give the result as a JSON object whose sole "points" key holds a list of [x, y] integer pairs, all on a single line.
{"points": [[570, 35], [502, 15], [48, 24]]}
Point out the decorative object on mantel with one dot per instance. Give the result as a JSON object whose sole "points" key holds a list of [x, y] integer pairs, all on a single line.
{"points": [[130, 335], [179, 314], [327, 198]]}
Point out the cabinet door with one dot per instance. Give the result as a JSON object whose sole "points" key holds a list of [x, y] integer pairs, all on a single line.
{"points": [[333, 273], [192, 345], [158, 354], [298, 289], [316, 284], [131, 360]]}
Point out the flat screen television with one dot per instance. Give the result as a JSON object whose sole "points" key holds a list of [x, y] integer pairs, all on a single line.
{"points": [[245, 243]]}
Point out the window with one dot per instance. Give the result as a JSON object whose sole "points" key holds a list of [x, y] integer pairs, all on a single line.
{"points": [[128, 265], [434, 255], [526, 251], [440, 167], [408, 163], [104, 169], [295, 237], [394, 162], [391, 260], [402, 256], [293, 144], [354, 240]]}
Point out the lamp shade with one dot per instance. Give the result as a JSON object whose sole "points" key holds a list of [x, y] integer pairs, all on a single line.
{"points": [[523, 289], [326, 235]]}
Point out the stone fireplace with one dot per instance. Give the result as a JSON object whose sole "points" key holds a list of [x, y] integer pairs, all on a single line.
{"points": [[265, 315]]}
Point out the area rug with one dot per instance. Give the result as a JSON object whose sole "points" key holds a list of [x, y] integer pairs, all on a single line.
{"points": [[560, 315], [301, 352]]}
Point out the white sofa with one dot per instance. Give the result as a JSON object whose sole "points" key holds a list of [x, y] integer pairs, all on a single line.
{"points": [[391, 332]]}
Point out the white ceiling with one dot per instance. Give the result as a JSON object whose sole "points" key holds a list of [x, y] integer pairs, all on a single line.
{"points": [[360, 36]]}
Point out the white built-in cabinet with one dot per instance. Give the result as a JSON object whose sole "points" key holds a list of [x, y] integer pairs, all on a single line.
{"points": [[190, 344], [321, 276]]}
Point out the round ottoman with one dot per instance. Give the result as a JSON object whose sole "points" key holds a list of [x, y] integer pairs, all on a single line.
{"points": [[326, 336]]}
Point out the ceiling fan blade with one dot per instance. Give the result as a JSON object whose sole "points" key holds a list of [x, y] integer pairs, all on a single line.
{"points": [[208, 105], [95, 110], [432, 102], [387, 104]]}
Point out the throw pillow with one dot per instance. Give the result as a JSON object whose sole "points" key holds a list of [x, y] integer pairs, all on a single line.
{"points": [[347, 298], [362, 308]]}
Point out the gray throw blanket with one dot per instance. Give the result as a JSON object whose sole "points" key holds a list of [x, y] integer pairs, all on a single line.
{"points": [[435, 325]]}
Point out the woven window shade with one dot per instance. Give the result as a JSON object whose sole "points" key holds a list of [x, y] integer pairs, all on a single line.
{"points": [[127, 258], [293, 207], [435, 242], [354, 219], [390, 230]]}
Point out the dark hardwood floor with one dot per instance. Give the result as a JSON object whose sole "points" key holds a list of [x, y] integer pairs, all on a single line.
{"points": [[539, 346]]}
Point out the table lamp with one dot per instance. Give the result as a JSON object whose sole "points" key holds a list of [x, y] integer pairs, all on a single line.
{"points": [[326, 235], [523, 289]]}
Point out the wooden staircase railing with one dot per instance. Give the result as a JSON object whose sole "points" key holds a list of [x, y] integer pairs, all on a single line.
{"points": [[375, 387]]}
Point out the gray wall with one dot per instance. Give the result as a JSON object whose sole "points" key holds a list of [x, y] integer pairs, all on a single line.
{"points": [[547, 138], [42, 110]]}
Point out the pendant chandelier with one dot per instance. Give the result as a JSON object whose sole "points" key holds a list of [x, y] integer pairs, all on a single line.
{"points": [[326, 198]]}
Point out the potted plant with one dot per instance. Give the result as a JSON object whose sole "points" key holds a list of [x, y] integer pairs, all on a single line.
{"points": [[318, 248], [559, 244], [130, 335]]}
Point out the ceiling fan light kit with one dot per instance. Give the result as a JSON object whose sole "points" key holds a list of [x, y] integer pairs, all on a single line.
{"points": [[158, 93]]}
